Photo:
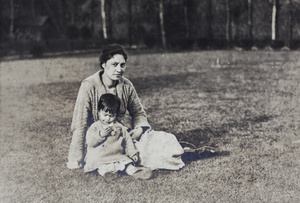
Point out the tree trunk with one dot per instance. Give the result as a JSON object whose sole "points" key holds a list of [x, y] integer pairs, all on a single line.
{"points": [[130, 22], [186, 21], [103, 16], [49, 10], [92, 17], [32, 8], [250, 20], [228, 21], [209, 18], [12, 20], [61, 14], [109, 24], [193, 23], [161, 22], [71, 10], [289, 24], [274, 20]]}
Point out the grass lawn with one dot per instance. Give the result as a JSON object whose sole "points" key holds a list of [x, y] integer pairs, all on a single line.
{"points": [[247, 103]]}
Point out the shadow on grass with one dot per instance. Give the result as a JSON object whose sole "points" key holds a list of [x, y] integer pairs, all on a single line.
{"points": [[206, 136], [200, 138], [187, 158]]}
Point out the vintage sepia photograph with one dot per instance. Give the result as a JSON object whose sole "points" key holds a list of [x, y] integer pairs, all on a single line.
{"points": [[162, 101]]}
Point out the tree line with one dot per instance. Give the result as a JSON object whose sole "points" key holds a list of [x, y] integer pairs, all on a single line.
{"points": [[161, 23]]}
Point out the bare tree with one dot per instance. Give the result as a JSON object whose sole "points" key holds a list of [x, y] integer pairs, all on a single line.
{"points": [[186, 20], [12, 19], [103, 16], [130, 23], [228, 21], [250, 20], [209, 19], [71, 10], [61, 13], [92, 17], [56, 24], [274, 20], [109, 24], [290, 23], [33, 7], [161, 22]]}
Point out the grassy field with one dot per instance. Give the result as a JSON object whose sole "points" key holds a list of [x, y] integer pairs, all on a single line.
{"points": [[248, 103]]}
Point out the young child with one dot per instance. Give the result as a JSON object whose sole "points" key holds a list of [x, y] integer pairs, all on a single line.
{"points": [[109, 146]]}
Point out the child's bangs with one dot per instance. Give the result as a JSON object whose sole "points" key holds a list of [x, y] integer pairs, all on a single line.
{"points": [[110, 110]]}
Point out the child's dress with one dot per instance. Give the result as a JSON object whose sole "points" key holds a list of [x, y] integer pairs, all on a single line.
{"points": [[111, 153]]}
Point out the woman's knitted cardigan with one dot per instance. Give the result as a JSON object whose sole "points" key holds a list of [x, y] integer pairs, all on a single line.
{"points": [[85, 112]]}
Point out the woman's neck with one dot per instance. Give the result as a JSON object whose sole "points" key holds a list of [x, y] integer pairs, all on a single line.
{"points": [[107, 82]]}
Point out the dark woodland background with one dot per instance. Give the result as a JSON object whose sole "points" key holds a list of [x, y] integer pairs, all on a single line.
{"points": [[39, 26]]}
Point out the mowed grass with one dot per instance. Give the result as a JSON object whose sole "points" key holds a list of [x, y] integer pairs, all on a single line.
{"points": [[247, 103]]}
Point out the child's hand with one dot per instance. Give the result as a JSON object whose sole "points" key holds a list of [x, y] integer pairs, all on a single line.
{"points": [[135, 158], [106, 131]]}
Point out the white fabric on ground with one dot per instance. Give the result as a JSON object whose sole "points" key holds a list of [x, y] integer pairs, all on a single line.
{"points": [[160, 150]]}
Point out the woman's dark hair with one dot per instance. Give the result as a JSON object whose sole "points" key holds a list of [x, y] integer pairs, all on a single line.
{"points": [[109, 103], [109, 51]]}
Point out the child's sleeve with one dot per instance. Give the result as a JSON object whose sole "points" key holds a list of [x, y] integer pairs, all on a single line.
{"points": [[93, 137]]}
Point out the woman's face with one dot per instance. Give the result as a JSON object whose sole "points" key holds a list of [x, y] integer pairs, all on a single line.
{"points": [[115, 67]]}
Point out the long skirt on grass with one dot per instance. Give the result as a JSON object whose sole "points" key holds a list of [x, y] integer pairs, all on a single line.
{"points": [[160, 150]]}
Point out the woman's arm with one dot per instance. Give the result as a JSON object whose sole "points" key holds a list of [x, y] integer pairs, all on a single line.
{"points": [[81, 117], [130, 149], [135, 109]]}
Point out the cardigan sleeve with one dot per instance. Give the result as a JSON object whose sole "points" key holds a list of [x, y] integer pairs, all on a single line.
{"points": [[82, 116], [130, 149], [135, 109], [92, 135]]}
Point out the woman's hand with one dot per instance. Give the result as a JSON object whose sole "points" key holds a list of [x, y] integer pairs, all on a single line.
{"points": [[136, 133]]}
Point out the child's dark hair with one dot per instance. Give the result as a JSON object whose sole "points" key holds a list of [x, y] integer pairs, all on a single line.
{"points": [[109, 103]]}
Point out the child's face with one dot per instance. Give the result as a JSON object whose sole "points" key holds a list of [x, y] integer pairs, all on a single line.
{"points": [[106, 117]]}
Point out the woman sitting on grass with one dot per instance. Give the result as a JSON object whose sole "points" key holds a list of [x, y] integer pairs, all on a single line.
{"points": [[109, 146], [157, 150]]}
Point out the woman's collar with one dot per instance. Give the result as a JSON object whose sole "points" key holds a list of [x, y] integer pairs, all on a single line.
{"points": [[119, 85], [119, 82]]}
